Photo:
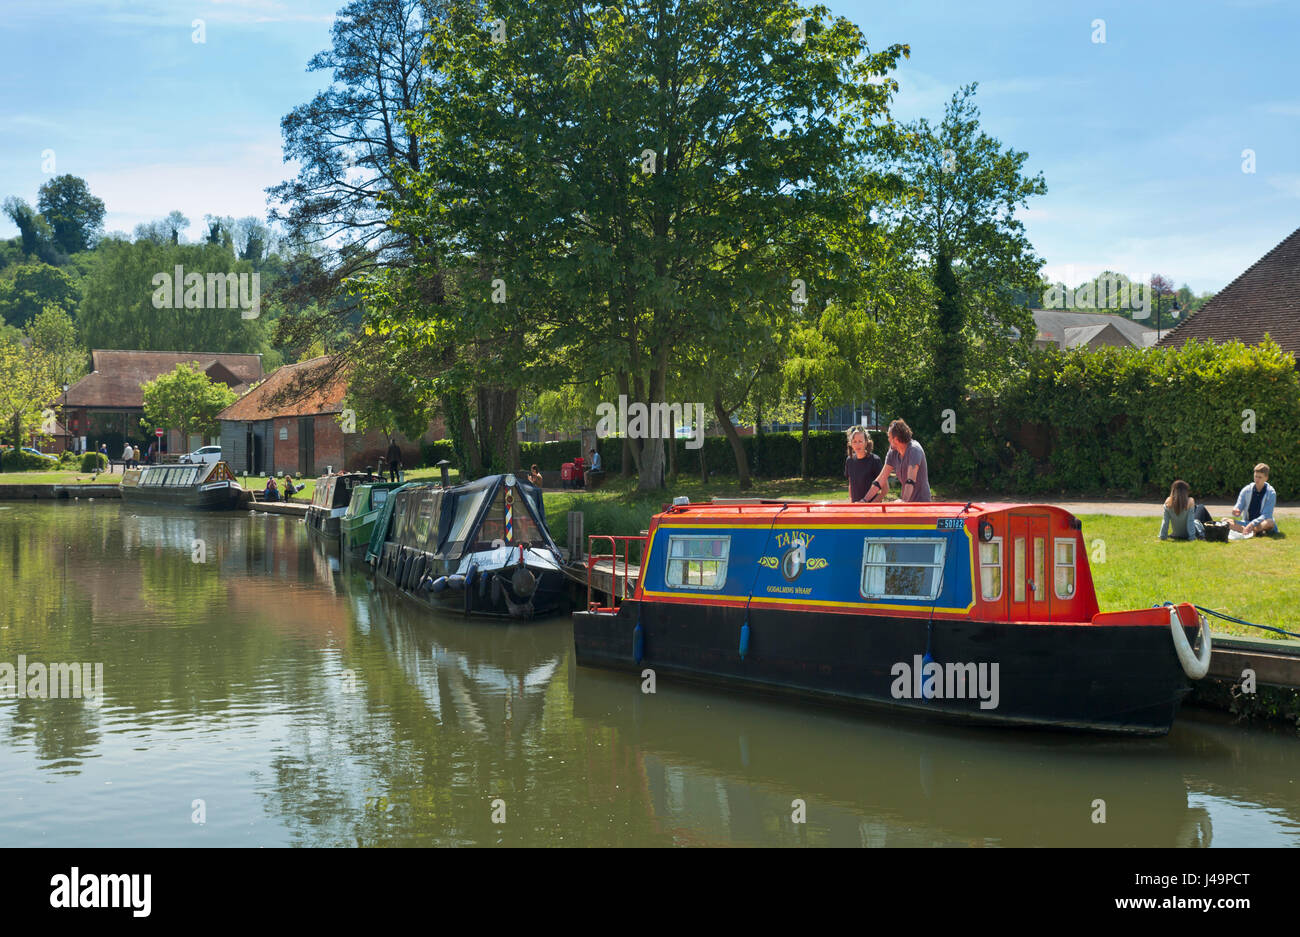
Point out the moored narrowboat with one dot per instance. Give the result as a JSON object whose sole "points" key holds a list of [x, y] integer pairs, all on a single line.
{"points": [[330, 500], [482, 548], [208, 486], [358, 522], [975, 612]]}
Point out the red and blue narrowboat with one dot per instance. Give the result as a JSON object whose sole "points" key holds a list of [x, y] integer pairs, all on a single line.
{"points": [[976, 612]]}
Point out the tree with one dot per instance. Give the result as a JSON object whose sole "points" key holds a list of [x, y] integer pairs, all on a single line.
{"points": [[165, 230], [27, 389], [960, 217], [35, 232], [351, 140], [118, 309], [76, 216], [53, 332], [185, 399], [28, 288], [622, 189]]}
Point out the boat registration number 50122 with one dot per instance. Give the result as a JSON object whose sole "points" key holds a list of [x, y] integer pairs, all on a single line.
{"points": [[951, 523]]}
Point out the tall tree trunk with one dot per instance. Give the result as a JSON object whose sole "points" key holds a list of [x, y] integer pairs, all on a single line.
{"points": [[758, 437], [803, 437], [631, 458], [704, 467], [733, 437], [463, 439], [950, 353], [651, 474]]}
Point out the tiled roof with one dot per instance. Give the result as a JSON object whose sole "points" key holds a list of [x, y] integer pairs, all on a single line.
{"points": [[117, 376], [290, 391], [1266, 298], [1053, 323]]}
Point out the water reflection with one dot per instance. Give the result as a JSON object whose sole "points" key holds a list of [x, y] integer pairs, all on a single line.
{"points": [[304, 707]]}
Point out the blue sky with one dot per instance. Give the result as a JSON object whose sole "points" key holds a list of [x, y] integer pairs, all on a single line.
{"points": [[1140, 138]]}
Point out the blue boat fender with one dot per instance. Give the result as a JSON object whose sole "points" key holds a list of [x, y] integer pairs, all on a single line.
{"points": [[744, 639], [471, 575], [638, 642], [455, 582], [438, 585], [483, 584]]}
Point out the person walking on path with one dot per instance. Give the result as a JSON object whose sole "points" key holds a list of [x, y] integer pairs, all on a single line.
{"points": [[861, 465], [1255, 506], [906, 459], [394, 460], [126, 456]]}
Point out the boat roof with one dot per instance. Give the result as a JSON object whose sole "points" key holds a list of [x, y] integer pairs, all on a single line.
{"points": [[730, 509]]}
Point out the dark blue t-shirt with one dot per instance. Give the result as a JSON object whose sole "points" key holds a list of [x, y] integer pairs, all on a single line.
{"points": [[861, 473]]}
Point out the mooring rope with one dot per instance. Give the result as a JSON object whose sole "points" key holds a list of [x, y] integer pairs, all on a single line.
{"points": [[1242, 621]]}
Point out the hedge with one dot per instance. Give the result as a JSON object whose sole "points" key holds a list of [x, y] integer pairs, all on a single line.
{"points": [[15, 460], [1083, 422], [94, 460], [1133, 420]]}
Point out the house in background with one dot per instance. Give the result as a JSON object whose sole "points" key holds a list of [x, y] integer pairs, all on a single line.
{"points": [[106, 405], [1264, 299], [277, 428], [1061, 328]]}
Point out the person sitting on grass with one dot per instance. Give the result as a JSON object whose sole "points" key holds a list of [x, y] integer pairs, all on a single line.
{"points": [[1180, 520], [290, 489], [272, 492], [1255, 506]]}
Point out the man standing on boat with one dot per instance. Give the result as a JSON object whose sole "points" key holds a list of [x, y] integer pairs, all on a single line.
{"points": [[906, 459], [861, 466]]}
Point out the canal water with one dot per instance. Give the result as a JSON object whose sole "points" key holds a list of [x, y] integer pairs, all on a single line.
{"points": [[256, 693]]}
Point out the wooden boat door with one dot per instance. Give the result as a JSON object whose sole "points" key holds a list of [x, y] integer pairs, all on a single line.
{"points": [[1028, 567]]}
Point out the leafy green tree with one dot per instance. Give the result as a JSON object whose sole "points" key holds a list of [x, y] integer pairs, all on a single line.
{"points": [[631, 180], [54, 333], [28, 288], [27, 389], [187, 400], [960, 217], [35, 232], [76, 216], [118, 308], [350, 141], [163, 231]]}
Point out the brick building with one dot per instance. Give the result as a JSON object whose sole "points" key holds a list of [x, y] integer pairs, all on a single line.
{"points": [[302, 435], [106, 405]]}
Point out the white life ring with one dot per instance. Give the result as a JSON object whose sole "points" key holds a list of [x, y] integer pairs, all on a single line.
{"points": [[1195, 666]]}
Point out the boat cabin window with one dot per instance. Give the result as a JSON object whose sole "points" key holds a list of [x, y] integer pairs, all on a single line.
{"points": [[1018, 580], [902, 569], [1064, 569], [377, 497], [424, 517], [466, 509], [697, 562], [1040, 574], [991, 569]]}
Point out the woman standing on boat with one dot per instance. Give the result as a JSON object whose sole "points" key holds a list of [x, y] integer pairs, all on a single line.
{"points": [[906, 459], [861, 466]]}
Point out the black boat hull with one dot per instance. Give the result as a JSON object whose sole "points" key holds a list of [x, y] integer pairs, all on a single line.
{"points": [[407, 571], [216, 499], [1117, 679]]}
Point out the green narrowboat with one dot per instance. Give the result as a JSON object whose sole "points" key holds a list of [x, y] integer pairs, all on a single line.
{"points": [[358, 523]]}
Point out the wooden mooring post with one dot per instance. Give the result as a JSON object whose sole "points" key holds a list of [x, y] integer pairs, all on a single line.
{"points": [[577, 537]]}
